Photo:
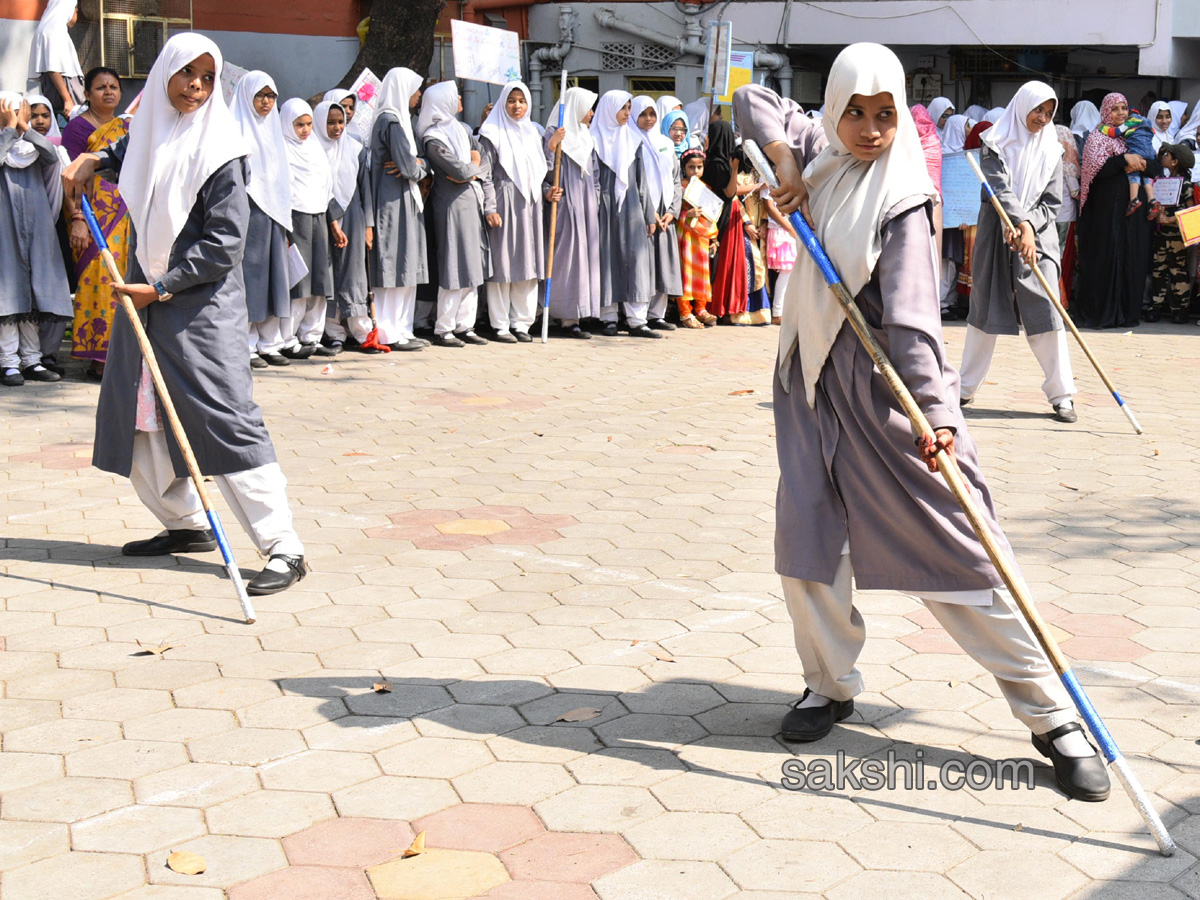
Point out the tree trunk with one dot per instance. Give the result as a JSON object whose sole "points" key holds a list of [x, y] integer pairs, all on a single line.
{"points": [[401, 34]]}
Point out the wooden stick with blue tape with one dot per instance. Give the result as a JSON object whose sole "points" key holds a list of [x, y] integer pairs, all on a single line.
{"points": [[1053, 295], [562, 108], [168, 406], [953, 476]]}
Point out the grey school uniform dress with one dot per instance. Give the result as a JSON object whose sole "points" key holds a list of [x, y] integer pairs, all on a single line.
{"points": [[265, 267], [575, 287], [310, 235], [33, 282], [457, 208], [350, 262], [668, 275], [399, 258], [626, 259], [199, 338], [516, 247]]}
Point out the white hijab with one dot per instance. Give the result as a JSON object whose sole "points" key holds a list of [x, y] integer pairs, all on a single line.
{"points": [[311, 176], [850, 201], [52, 175], [35, 99], [518, 143], [398, 87], [1031, 159], [1084, 118], [660, 153], [1193, 124], [697, 113], [170, 155], [22, 154], [578, 143], [994, 114], [1161, 136], [954, 135], [665, 104], [975, 112], [337, 95], [53, 50], [1178, 108], [270, 179], [438, 120], [616, 145], [937, 108], [342, 154]]}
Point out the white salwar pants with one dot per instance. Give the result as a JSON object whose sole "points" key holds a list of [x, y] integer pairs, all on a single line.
{"points": [[394, 311], [426, 313], [359, 326], [268, 335], [781, 284], [658, 306], [307, 321], [258, 497], [949, 286], [20, 345], [1049, 348], [635, 313], [456, 310], [512, 305], [829, 634]]}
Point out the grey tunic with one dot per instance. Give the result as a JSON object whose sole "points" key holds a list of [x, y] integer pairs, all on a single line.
{"points": [[668, 277], [350, 262], [518, 253], [310, 235], [458, 209], [400, 255], [74, 85], [265, 267], [575, 285], [199, 339], [626, 259], [33, 282], [1005, 294]]}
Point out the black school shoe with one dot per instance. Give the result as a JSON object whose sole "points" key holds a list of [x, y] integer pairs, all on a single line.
{"points": [[257, 362], [177, 541], [51, 363], [661, 325], [812, 724], [504, 337], [447, 340], [300, 351], [1079, 777], [333, 348], [574, 331], [470, 337], [609, 329], [645, 331], [275, 359], [1067, 414], [268, 581], [39, 373], [12, 378], [522, 337]]}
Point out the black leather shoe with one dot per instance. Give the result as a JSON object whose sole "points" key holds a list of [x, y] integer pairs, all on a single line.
{"points": [[257, 362], [52, 364], [407, 346], [644, 331], [661, 325], [470, 337], [1152, 315], [522, 337], [814, 723], [1080, 777], [504, 337], [275, 359], [331, 349], [609, 329], [269, 581], [178, 541], [447, 340], [39, 373], [1065, 414], [300, 351], [11, 377], [574, 331], [1179, 318]]}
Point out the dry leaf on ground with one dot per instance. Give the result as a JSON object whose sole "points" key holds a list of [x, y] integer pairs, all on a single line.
{"points": [[583, 714], [382, 687], [185, 862], [1067, 486], [356, 453], [417, 847], [155, 649], [662, 655], [741, 393]]}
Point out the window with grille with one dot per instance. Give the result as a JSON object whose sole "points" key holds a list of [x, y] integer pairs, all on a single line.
{"points": [[616, 57], [652, 87], [131, 33]]}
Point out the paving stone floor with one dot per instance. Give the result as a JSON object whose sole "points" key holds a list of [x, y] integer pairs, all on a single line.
{"points": [[509, 534]]}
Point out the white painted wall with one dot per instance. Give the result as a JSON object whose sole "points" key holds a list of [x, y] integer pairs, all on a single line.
{"points": [[300, 64]]}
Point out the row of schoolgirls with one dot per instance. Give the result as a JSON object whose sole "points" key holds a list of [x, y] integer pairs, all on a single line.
{"points": [[428, 214]]}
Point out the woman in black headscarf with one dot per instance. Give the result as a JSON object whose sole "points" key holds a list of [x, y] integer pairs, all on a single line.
{"points": [[720, 175]]}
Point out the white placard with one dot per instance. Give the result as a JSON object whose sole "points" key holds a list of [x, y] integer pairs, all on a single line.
{"points": [[366, 89], [716, 58], [961, 191], [700, 197], [485, 54], [1166, 190], [230, 76]]}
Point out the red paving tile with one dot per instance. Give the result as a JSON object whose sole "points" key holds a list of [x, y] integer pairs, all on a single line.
{"points": [[540, 890], [419, 527], [479, 826], [931, 640], [353, 843], [578, 858], [1082, 625], [1104, 649], [922, 617], [306, 883]]}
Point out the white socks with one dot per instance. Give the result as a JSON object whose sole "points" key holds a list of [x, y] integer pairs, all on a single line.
{"points": [[1073, 744], [1065, 404], [813, 701], [276, 565]]}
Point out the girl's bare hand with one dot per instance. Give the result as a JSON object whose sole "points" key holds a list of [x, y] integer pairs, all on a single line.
{"points": [[928, 447]]}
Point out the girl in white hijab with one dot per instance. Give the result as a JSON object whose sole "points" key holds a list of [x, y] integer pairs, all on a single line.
{"points": [[311, 195], [182, 175], [697, 112], [1084, 118], [857, 501], [511, 148], [1178, 109], [1160, 135], [665, 104], [940, 109], [459, 204], [954, 135], [265, 263], [1023, 161], [399, 254], [627, 217], [53, 61], [665, 187], [350, 215]]}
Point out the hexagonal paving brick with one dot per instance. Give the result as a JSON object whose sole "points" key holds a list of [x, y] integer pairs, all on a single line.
{"points": [[247, 746], [22, 843], [66, 799], [26, 769], [137, 829], [126, 759], [80, 876], [230, 860], [431, 757], [61, 736], [305, 883], [578, 858], [517, 783], [486, 827], [323, 771], [700, 836], [807, 815], [1028, 875], [198, 785], [598, 808], [269, 813], [348, 843], [896, 886], [779, 865], [906, 846], [438, 875], [703, 792], [654, 878], [391, 797]]}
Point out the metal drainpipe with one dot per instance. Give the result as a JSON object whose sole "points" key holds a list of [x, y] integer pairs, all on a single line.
{"points": [[538, 58], [780, 65]]}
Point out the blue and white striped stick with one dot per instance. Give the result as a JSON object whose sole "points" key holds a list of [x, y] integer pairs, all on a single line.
{"points": [[1050, 292], [160, 387], [962, 493], [562, 108]]}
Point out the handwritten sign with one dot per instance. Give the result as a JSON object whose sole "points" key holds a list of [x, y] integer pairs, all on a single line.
{"points": [[1166, 190], [716, 58], [485, 54], [700, 197], [741, 73], [1189, 225], [366, 88], [230, 76], [960, 191]]}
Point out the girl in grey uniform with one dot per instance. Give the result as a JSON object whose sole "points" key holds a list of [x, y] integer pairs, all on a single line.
{"points": [[666, 195]]}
